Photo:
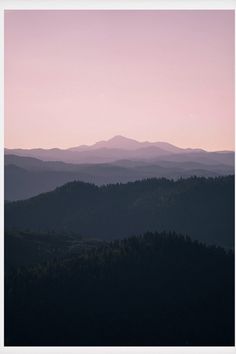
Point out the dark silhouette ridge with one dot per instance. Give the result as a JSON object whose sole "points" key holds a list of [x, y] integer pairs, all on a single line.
{"points": [[200, 207], [153, 290]]}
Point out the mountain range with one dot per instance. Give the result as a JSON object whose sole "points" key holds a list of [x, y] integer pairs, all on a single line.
{"points": [[118, 160], [119, 148], [134, 257]]}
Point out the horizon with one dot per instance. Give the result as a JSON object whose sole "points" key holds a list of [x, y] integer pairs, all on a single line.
{"points": [[78, 77], [115, 137]]}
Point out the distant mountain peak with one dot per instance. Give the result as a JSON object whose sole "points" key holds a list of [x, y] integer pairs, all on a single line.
{"points": [[118, 142], [122, 142], [121, 138]]}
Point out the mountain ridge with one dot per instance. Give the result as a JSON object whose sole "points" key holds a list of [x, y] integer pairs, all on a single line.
{"points": [[117, 148], [120, 210], [120, 141], [27, 176]]}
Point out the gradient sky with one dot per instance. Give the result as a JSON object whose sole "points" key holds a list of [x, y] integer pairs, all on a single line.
{"points": [[76, 77]]}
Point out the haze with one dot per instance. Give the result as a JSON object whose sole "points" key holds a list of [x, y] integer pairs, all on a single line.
{"points": [[77, 77]]}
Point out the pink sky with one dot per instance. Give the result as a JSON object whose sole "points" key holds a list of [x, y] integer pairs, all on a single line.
{"points": [[76, 77]]}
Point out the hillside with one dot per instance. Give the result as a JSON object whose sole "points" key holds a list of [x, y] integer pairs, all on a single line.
{"points": [[152, 290], [200, 207], [24, 248], [26, 177]]}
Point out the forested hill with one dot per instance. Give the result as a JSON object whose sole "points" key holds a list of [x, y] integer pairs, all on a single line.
{"points": [[156, 289], [200, 207]]}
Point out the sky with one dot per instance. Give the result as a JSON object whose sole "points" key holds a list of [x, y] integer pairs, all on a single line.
{"points": [[80, 76]]}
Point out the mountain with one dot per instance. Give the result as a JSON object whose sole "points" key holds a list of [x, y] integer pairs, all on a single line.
{"points": [[200, 207], [121, 142], [119, 148], [26, 177]]}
